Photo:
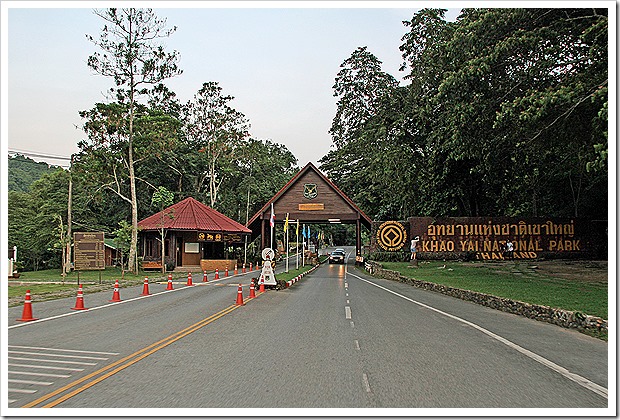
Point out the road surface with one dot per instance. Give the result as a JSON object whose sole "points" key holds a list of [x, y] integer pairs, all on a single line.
{"points": [[339, 339]]}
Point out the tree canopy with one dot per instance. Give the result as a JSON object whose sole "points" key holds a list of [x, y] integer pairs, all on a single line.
{"points": [[503, 112]]}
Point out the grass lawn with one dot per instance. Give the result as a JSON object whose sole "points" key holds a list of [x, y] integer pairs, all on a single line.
{"points": [[292, 272], [514, 280]]}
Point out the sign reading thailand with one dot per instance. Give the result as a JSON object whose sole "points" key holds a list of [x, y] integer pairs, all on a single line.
{"points": [[391, 236], [89, 251]]}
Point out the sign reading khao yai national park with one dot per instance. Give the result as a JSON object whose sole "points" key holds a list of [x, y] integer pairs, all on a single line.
{"points": [[498, 238]]}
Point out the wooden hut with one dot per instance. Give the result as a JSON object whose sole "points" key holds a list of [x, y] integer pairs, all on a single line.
{"points": [[196, 238]]}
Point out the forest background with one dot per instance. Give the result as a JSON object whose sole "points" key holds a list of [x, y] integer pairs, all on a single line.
{"points": [[504, 112]]}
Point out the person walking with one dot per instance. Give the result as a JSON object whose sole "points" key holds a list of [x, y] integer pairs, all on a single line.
{"points": [[414, 246]]}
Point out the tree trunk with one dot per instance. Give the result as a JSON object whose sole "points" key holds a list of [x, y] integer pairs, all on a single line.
{"points": [[133, 257], [163, 250], [67, 259]]}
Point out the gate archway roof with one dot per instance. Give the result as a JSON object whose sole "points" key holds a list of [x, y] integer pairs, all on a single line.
{"points": [[298, 199]]}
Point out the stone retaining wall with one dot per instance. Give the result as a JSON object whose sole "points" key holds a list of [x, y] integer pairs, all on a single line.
{"points": [[568, 319]]}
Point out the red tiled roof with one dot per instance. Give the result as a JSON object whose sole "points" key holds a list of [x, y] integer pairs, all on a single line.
{"points": [[191, 214]]}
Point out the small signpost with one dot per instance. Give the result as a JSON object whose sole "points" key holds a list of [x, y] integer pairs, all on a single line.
{"points": [[89, 252], [268, 278]]}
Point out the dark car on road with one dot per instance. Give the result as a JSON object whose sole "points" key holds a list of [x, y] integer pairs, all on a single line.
{"points": [[337, 257]]}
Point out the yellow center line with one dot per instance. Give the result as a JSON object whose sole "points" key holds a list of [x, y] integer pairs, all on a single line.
{"points": [[126, 365], [138, 355]]}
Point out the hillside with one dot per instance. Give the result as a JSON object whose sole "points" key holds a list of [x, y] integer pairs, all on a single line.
{"points": [[23, 171]]}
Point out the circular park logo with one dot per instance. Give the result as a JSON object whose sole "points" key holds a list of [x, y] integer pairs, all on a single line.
{"points": [[310, 191], [391, 236]]}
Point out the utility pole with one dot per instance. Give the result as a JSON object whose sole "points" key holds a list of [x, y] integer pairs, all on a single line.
{"points": [[67, 263], [247, 218]]}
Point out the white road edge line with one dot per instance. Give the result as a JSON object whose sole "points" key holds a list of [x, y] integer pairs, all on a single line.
{"points": [[366, 383], [22, 381], [51, 375], [580, 380], [72, 351], [32, 353], [22, 391], [45, 367], [52, 361], [117, 303]]}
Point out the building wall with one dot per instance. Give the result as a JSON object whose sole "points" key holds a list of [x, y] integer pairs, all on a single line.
{"points": [[181, 247]]}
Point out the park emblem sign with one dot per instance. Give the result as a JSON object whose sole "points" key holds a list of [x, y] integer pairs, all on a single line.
{"points": [[310, 191], [391, 236]]}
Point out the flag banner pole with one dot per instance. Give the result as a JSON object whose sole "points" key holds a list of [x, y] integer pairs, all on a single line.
{"points": [[297, 246], [303, 249], [286, 240]]}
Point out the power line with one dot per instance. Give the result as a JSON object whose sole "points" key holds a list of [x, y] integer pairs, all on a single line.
{"points": [[38, 154]]}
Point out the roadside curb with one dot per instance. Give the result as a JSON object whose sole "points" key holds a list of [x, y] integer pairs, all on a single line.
{"points": [[297, 278], [561, 317]]}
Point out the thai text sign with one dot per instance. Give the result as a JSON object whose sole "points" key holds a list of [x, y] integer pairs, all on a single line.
{"points": [[486, 238], [89, 251]]}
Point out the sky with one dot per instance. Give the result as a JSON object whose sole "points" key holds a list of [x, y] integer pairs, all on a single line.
{"points": [[278, 61]]}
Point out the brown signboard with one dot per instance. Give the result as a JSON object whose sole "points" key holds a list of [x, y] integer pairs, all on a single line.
{"points": [[220, 237], [487, 238], [89, 251], [311, 206]]}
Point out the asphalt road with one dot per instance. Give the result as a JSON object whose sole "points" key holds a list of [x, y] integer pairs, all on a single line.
{"points": [[339, 339]]}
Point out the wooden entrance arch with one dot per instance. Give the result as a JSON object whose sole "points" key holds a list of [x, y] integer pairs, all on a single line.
{"points": [[309, 197]]}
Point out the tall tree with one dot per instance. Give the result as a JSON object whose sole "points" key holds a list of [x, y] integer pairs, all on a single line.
{"points": [[134, 59], [216, 131], [367, 132], [360, 87], [504, 113]]}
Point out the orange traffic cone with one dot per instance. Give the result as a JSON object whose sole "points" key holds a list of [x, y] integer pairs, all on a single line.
{"points": [[217, 274], [236, 270], [243, 268], [204, 277], [252, 291], [262, 283], [116, 296], [145, 288], [189, 279], [169, 287], [27, 312], [226, 272], [250, 266], [79, 303], [239, 296]]}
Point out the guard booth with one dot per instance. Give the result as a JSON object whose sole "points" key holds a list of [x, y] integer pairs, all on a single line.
{"points": [[197, 238], [309, 197]]}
